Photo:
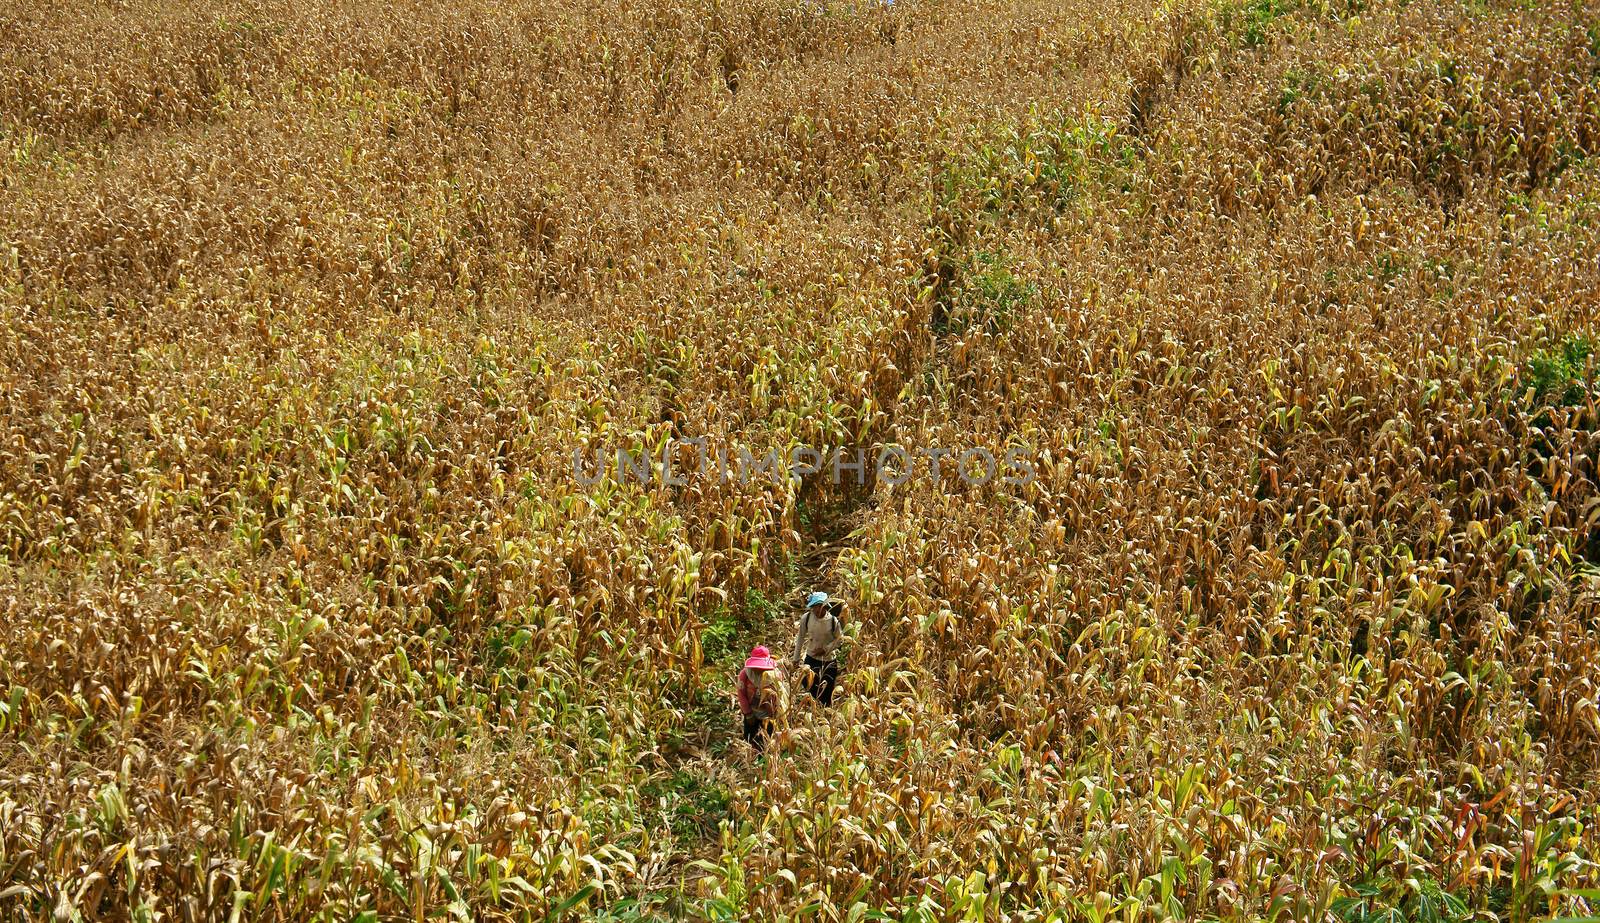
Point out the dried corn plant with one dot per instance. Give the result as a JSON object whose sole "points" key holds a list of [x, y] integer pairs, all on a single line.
{"points": [[1290, 304]]}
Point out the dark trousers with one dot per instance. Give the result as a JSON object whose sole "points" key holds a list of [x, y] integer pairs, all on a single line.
{"points": [[824, 676], [756, 725]]}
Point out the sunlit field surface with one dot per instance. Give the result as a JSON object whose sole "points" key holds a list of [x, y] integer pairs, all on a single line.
{"points": [[306, 307]]}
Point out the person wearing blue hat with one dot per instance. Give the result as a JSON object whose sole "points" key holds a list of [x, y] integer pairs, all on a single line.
{"points": [[819, 637]]}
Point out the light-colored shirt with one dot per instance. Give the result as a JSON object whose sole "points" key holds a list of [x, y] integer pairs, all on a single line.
{"points": [[819, 637]]}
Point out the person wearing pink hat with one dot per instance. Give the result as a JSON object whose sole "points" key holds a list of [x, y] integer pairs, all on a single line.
{"points": [[759, 690]]}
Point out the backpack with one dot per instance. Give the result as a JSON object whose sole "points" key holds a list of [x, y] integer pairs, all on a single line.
{"points": [[769, 700]]}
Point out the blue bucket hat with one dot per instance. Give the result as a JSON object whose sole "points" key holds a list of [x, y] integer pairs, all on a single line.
{"points": [[816, 599]]}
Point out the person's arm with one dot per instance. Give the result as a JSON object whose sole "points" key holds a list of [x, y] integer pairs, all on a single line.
{"points": [[741, 688], [800, 639]]}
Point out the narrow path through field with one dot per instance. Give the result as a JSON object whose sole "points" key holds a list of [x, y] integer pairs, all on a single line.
{"points": [[715, 759]]}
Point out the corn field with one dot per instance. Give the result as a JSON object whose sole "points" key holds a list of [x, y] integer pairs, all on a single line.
{"points": [[1294, 306]]}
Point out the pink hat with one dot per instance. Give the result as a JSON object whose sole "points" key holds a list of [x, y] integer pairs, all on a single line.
{"points": [[761, 659]]}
